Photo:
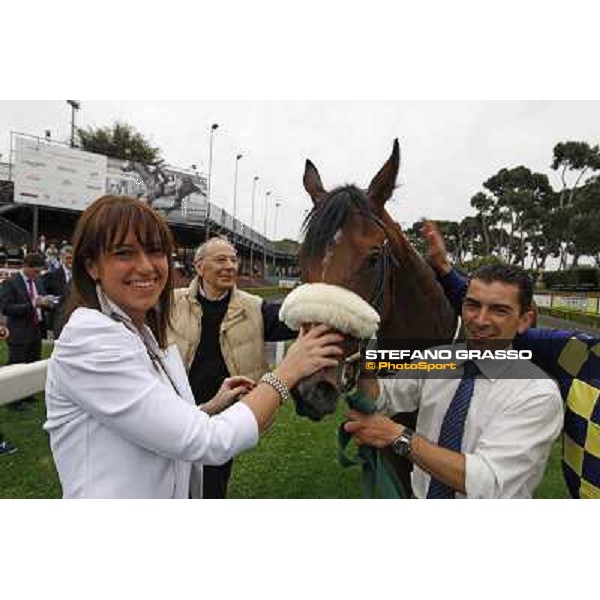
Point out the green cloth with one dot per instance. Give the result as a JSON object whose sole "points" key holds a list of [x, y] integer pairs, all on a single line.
{"points": [[379, 478]]}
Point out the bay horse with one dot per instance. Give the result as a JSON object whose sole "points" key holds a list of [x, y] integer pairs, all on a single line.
{"points": [[351, 240]]}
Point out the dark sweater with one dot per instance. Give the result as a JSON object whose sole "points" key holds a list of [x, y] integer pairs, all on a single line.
{"points": [[208, 369]]}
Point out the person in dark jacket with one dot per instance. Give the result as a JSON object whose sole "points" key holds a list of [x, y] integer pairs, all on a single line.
{"points": [[57, 283], [22, 301]]}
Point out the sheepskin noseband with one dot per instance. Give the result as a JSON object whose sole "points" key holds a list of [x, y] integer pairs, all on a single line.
{"points": [[332, 305]]}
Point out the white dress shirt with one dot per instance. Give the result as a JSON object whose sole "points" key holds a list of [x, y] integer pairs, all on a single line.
{"points": [[509, 431], [35, 296], [117, 427]]}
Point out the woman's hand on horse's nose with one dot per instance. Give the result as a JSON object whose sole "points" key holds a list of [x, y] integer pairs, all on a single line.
{"points": [[315, 329], [311, 352]]}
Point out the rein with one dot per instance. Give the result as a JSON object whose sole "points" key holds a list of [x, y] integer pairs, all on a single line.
{"points": [[379, 478]]}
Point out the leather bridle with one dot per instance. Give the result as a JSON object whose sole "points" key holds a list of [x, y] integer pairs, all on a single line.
{"points": [[350, 367]]}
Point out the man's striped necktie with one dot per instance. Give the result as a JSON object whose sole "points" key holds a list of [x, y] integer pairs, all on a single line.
{"points": [[453, 425]]}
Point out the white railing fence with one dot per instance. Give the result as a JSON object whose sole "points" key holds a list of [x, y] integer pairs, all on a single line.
{"points": [[20, 381]]}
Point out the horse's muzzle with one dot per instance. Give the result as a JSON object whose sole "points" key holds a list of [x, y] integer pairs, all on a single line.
{"points": [[316, 397]]}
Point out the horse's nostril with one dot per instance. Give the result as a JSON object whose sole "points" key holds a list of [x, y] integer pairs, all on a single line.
{"points": [[317, 401], [328, 395]]}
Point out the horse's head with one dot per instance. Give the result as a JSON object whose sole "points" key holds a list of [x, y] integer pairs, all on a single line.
{"points": [[345, 312], [350, 240], [347, 243], [347, 234]]}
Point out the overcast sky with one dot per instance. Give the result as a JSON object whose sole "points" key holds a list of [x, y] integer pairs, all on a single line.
{"points": [[448, 148]]}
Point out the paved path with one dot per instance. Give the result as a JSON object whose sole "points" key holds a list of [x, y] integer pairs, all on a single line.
{"points": [[554, 323]]}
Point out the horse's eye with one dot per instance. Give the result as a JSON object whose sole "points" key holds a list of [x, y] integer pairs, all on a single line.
{"points": [[374, 259]]}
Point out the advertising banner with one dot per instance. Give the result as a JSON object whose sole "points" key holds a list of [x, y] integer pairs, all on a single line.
{"points": [[57, 176]]}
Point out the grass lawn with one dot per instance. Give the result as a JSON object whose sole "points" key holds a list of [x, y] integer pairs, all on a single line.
{"points": [[296, 459]]}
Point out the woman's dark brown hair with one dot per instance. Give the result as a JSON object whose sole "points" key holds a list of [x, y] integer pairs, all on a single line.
{"points": [[105, 224]]}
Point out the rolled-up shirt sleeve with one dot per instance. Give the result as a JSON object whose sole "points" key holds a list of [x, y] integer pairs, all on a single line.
{"points": [[519, 438], [398, 395], [109, 378]]}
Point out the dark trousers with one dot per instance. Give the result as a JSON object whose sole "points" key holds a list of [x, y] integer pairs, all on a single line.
{"points": [[215, 480], [24, 353]]}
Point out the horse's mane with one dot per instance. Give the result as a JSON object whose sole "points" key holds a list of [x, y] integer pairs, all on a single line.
{"points": [[325, 219]]}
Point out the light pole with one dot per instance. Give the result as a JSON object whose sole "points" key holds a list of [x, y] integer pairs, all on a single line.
{"points": [[256, 178], [265, 236], [237, 160], [213, 127], [75, 105], [277, 205]]}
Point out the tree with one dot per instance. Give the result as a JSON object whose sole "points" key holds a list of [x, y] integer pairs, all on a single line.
{"points": [[288, 246], [573, 160], [584, 224], [520, 197], [577, 158], [120, 141], [487, 211]]}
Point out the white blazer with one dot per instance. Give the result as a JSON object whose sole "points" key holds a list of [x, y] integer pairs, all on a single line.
{"points": [[117, 427]]}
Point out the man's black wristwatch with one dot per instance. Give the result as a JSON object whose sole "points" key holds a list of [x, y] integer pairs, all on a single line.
{"points": [[401, 445]]}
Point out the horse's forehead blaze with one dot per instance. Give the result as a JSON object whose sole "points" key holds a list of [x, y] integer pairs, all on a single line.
{"points": [[329, 253]]}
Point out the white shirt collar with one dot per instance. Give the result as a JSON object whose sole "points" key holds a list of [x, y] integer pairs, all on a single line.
{"points": [[201, 292], [26, 279]]}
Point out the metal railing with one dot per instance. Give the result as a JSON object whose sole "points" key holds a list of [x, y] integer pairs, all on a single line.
{"points": [[11, 234]]}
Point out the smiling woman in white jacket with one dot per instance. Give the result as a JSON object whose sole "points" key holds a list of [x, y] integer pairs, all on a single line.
{"points": [[120, 413]]}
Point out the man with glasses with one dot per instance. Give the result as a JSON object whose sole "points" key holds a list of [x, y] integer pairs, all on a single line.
{"points": [[220, 332]]}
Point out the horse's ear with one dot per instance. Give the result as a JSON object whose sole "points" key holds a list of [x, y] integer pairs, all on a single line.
{"points": [[382, 186], [312, 183]]}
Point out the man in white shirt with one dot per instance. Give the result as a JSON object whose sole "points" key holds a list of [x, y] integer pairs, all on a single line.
{"points": [[488, 432]]}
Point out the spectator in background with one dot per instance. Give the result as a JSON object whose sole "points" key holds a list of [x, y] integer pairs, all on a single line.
{"points": [[22, 301], [52, 260], [220, 332], [6, 447], [57, 284], [180, 275]]}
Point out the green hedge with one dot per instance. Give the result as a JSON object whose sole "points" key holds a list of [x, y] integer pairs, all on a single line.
{"points": [[593, 320], [585, 278], [268, 292]]}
